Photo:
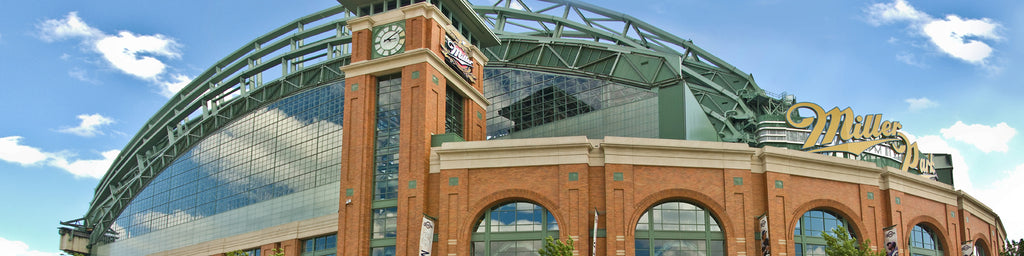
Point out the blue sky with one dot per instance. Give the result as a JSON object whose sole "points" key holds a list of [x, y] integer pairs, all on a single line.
{"points": [[80, 78]]}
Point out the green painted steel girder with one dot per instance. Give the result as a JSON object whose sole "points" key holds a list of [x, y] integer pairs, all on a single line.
{"points": [[576, 37], [553, 35], [206, 104]]}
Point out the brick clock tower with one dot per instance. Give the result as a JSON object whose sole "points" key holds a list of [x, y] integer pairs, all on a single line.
{"points": [[415, 77]]}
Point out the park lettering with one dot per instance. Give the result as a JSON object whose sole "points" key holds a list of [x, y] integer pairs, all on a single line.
{"points": [[856, 133]]}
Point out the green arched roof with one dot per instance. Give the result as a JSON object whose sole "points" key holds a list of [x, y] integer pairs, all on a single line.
{"points": [[552, 35]]}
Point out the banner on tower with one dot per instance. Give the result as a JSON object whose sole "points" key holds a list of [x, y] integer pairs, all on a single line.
{"points": [[426, 236], [967, 248], [892, 247], [766, 245]]}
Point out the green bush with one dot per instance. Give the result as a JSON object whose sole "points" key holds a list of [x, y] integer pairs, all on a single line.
{"points": [[842, 244], [554, 247]]}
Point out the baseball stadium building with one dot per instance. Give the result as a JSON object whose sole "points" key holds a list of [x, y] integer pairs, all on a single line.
{"points": [[435, 127]]}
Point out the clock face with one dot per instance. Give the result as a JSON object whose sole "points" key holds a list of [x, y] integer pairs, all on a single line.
{"points": [[389, 39]]}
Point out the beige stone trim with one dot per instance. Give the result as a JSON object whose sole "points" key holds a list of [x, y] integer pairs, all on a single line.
{"points": [[679, 153], [394, 63], [972, 205], [757, 162], [699, 154], [919, 186], [295, 230], [435, 160], [819, 166], [510, 153], [596, 153]]}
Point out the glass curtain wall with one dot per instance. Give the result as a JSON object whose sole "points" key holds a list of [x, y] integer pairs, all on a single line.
{"points": [[290, 148], [385, 160], [531, 104]]}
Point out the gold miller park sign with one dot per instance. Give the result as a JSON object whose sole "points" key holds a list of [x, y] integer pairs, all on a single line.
{"points": [[856, 134]]}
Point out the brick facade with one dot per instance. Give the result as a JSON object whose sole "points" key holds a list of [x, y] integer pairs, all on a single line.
{"points": [[620, 178]]}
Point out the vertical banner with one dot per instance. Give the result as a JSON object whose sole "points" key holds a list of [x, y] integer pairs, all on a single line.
{"points": [[892, 247], [593, 246], [426, 236], [766, 245], [967, 248]]}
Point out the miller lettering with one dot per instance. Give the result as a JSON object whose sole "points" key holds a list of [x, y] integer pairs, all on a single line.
{"points": [[866, 131]]}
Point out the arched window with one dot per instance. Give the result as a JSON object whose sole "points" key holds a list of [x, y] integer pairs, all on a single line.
{"points": [[979, 248], [923, 242], [677, 228], [807, 238], [517, 228]]}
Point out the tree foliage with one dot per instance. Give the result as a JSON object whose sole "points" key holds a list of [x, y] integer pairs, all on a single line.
{"points": [[273, 252], [1013, 248], [842, 244], [554, 247]]}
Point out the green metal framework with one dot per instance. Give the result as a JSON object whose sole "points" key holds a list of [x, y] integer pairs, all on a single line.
{"points": [[575, 37], [554, 35], [302, 54]]}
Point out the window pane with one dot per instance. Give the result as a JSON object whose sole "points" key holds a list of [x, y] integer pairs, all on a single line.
{"points": [[385, 222], [677, 219], [642, 247], [384, 251], [815, 250], [506, 223]]}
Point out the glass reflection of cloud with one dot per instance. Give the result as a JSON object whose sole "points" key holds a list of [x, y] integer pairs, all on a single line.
{"points": [[273, 151], [506, 87]]}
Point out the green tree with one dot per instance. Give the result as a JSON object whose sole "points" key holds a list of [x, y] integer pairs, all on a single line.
{"points": [[554, 247], [237, 253], [274, 252], [842, 244], [1013, 248]]}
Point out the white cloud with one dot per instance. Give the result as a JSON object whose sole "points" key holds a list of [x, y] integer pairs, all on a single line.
{"points": [[956, 37], [953, 35], [900, 10], [128, 53], [921, 103], [69, 27], [985, 138], [86, 168], [89, 126], [19, 248], [141, 56], [1002, 197], [12, 151], [994, 195], [177, 82], [935, 144]]}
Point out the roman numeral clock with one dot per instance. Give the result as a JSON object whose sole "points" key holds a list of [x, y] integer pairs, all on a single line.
{"points": [[388, 39]]}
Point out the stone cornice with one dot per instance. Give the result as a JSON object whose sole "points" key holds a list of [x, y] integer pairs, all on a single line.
{"points": [[916, 185], [510, 153], [972, 205], [677, 153], [801, 163], [394, 63]]}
